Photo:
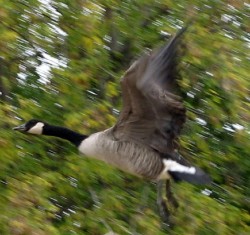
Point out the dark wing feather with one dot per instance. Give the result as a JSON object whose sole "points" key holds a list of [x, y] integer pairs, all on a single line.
{"points": [[152, 113]]}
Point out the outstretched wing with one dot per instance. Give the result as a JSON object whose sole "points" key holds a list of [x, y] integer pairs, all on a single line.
{"points": [[153, 114]]}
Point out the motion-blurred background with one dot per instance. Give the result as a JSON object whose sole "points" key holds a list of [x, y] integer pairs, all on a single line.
{"points": [[61, 61]]}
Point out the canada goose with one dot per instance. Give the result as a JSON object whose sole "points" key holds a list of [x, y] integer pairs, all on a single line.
{"points": [[143, 141]]}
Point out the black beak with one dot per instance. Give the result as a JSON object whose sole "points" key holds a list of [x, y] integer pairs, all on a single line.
{"points": [[20, 128]]}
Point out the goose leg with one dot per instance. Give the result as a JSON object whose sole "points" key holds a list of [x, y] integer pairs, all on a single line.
{"points": [[170, 195], [164, 212]]}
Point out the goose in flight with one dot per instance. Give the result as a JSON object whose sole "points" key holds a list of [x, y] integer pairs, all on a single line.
{"points": [[143, 141]]}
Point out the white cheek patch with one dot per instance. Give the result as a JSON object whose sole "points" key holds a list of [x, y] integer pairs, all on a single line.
{"points": [[174, 166], [37, 129]]}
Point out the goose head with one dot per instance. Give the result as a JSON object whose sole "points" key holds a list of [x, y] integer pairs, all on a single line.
{"points": [[33, 126]]}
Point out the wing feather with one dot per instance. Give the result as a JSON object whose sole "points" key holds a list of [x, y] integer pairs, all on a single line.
{"points": [[153, 114]]}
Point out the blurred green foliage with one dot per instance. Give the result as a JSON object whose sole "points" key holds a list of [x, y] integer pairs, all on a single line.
{"points": [[61, 61]]}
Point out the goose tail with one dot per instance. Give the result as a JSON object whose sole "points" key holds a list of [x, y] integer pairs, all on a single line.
{"points": [[191, 174]]}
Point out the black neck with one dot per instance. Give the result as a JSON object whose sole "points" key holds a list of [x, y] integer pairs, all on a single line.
{"points": [[64, 133]]}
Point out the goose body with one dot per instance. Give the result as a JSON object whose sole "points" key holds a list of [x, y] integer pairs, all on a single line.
{"points": [[143, 141], [128, 156]]}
